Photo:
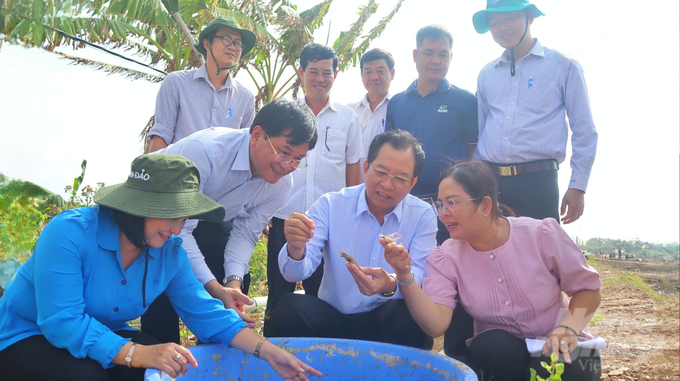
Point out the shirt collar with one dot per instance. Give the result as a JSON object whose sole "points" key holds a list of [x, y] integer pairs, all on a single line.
{"points": [[108, 233], [328, 105], [365, 102], [362, 206], [202, 72], [443, 86], [242, 160], [536, 50]]}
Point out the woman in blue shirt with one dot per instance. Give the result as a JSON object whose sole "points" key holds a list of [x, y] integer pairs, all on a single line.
{"points": [[96, 268]]}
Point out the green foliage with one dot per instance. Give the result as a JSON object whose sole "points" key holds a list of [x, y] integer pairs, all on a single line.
{"points": [[635, 246], [596, 318], [25, 208], [258, 269], [555, 370]]}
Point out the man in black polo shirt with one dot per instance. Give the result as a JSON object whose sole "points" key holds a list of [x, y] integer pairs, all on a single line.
{"points": [[440, 115]]}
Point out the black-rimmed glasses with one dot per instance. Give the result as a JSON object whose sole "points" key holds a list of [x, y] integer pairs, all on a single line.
{"points": [[227, 41], [285, 159]]}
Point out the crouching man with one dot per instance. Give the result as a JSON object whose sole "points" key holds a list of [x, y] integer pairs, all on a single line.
{"points": [[360, 301]]}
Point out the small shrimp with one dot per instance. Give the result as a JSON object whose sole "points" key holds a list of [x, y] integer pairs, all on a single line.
{"points": [[390, 238], [348, 257]]}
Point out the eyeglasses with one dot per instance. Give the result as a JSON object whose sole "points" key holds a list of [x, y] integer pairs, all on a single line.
{"points": [[227, 41], [285, 159], [448, 205], [398, 181]]}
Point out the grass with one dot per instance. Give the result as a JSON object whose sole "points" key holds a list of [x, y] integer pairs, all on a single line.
{"points": [[632, 279], [596, 318]]}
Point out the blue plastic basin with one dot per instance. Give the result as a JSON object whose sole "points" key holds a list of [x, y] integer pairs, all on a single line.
{"points": [[337, 359]]}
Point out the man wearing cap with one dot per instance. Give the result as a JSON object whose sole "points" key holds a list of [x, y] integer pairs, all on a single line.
{"points": [[247, 172], [440, 115], [523, 99], [377, 73], [191, 100]]}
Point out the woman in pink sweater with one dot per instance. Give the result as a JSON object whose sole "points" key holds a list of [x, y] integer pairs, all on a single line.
{"points": [[517, 277]]}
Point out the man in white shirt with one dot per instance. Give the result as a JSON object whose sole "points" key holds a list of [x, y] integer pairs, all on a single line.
{"points": [[361, 300], [333, 165], [249, 173], [377, 73]]}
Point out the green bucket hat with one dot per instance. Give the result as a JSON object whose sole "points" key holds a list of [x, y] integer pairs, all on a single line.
{"points": [[481, 22], [161, 186], [248, 37]]}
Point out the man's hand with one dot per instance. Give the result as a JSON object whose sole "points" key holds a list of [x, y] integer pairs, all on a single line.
{"points": [[265, 232], [397, 256], [233, 298], [372, 280], [573, 204], [299, 229]]}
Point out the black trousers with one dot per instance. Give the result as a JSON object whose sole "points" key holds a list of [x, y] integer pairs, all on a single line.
{"points": [[161, 321], [533, 195], [278, 286], [301, 315], [501, 356], [35, 359]]}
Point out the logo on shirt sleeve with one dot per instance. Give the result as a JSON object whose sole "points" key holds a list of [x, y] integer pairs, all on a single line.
{"points": [[443, 108]]}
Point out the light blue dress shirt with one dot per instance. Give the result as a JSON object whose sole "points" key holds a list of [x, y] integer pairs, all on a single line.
{"points": [[73, 290], [343, 222], [223, 159], [522, 118], [188, 102]]}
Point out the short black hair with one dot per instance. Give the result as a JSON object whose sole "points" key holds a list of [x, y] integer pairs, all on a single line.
{"points": [[377, 54], [131, 226], [291, 119], [317, 52], [401, 141], [433, 33]]}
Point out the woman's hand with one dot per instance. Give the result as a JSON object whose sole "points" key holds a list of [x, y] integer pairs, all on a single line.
{"points": [[397, 256], [285, 364], [560, 340], [170, 358]]}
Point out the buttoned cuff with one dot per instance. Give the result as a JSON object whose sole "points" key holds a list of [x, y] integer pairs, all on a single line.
{"points": [[578, 181]]}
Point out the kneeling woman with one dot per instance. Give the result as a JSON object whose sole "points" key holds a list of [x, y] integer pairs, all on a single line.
{"points": [[511, 274], [96, 268]]}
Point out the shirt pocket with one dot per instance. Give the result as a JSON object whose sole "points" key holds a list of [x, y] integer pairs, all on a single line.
{"points": [[540, 96], [245, 212], [333, 144], [233, 122]]}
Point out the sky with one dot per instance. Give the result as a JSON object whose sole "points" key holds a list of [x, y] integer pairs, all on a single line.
{"points": [[54, 114]]}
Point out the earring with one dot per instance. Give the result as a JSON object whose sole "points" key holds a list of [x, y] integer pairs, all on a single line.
{"points": [[484, 214]]}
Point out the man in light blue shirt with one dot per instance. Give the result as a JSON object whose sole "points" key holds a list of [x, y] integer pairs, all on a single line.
{"points": [[362, 300], [247, 172], [524, 99]]}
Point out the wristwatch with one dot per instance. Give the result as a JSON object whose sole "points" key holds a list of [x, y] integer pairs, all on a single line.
{"points": [[232, 277], [391, 293]]}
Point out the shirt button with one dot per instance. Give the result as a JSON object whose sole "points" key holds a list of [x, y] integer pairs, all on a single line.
{"points": [[500, 280], [514, 84], [506, 138], [507, 302], [123, 282], [373, 259], [507, 117], [512, 103], [491, 256], [115, 309], [367, 309]]}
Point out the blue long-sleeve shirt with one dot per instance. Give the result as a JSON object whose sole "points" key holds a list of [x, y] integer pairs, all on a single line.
{"points": [[73, 289]]}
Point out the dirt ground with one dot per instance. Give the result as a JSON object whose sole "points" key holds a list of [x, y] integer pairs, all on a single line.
{"points": [[642, 328]]}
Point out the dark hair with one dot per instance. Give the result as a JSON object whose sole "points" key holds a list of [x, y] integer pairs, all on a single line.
{"points": [[478, 181], [377, 54], [291, 119], [131, 226], [401, 141], [317, 52], [433, 33]]}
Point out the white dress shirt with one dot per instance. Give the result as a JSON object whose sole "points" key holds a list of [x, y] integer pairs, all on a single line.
{"points": [[343, 222], [372, 122], [222, 157], [339, 144], [522, 118]]}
